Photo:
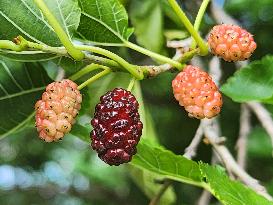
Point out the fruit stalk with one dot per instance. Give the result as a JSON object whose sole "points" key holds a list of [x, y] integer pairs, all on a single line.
{"points": [[63, 36]]}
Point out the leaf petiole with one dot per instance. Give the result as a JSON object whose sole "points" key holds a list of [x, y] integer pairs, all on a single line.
{"points": [[134, 70], [184, 19], [63, 36], [152, 54]]}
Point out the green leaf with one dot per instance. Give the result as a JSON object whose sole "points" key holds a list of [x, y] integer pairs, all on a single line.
{"points": [[69, 65], [103, 21], [259, 144], [254, 82], [227, 191], [21, 85], [22, 17], [163, 162], [51, 69], [147, 20]]}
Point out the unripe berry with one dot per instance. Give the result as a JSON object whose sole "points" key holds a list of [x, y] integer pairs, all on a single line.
{"points": [[231, 42], [56, 111], [195, 90]]}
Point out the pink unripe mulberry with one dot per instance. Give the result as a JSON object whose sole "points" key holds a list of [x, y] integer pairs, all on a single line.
{"points": [[231, 42], [195, 90], [56, 111]]}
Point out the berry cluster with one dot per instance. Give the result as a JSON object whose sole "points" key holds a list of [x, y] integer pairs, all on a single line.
{"points": [[231, 42], [196, 91], [116, 124], [117, 127], [56, 111]]}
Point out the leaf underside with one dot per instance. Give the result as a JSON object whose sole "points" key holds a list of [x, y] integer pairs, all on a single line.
{"points": [[103, 21], [21, 85]]}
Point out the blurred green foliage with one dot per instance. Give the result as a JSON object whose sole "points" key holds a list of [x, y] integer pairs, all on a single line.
{"points": [[69, 173]]}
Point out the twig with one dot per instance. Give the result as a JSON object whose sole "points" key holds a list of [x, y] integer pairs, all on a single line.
{"points": [[211, 130], [204, 198], [245, 128], [264, 117], [180, 44], [190, 151], [215, 70], [220, 15], [226, 156], [164, 187]]}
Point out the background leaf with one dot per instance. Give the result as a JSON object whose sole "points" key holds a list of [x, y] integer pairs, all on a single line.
{"points": [[103, 21], [21, 85], [252, 83], [147, 19]]}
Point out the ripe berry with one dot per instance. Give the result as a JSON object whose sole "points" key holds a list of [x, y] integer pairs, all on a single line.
{"points": [[56, 111], [231, 42], [117, 127], [196, 91]]}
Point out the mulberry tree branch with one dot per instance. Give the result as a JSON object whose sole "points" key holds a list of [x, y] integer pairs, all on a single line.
{"points": [[190, 151], [245, 128], [264, 117], [229, 161], [211, 130]]}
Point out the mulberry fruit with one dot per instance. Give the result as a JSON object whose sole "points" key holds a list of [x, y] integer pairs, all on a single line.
{"points": [[117, 127], [196, 91], [231, 42], [56, 111]]}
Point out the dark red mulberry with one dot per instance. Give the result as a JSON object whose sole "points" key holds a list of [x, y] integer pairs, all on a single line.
{"points": [[117, 127]]}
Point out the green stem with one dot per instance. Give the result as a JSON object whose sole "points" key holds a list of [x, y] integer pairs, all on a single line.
{"points": [[131, 84], [20, 41], [134, 70], [184, 19], [94, 78], [24, 45], [104, 61], [152, 54], [199, 17], [75, 53], [5, 44], [84, 71], [189, 55]]}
